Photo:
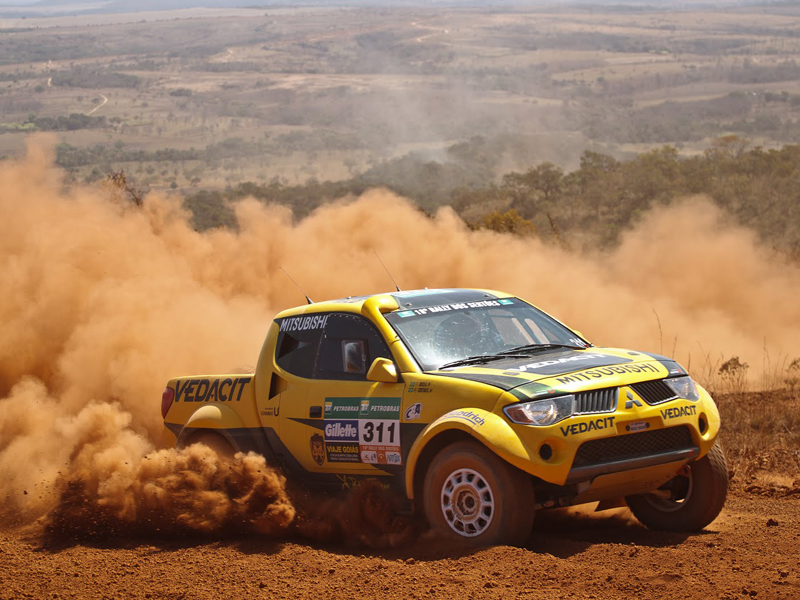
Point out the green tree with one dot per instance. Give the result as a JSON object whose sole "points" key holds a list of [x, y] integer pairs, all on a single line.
{"points": [[537, 188]]}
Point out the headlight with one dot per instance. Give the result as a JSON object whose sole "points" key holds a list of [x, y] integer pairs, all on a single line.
{"points": [[684, 387], [541, 412]]}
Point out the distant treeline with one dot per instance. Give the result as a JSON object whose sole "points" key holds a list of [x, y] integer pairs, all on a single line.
{"points": [[755, 113], [759, 188], [94, 78], [73, 122], [105, 156]]}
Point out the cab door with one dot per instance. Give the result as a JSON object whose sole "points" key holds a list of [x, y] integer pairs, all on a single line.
{"points": [[283, 407], [350, 425]]}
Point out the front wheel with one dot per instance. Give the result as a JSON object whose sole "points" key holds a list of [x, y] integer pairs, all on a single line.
{"points": [[474, 496], [690, 500]]}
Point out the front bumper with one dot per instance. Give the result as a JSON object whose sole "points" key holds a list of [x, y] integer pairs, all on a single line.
{"points": [[629, 438], [633, 451]]}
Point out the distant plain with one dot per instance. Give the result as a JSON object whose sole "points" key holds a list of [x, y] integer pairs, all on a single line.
{"points": [[326, 92]]}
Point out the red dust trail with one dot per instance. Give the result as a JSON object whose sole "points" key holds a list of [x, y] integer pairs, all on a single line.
{"points": [[103, 301]]}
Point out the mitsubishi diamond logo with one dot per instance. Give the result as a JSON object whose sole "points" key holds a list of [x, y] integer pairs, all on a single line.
{"points": [[631, 401]]}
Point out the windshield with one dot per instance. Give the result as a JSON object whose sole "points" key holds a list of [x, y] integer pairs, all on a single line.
{"points": [[438, 335]]}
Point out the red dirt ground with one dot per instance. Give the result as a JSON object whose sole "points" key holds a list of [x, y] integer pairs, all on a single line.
{"points": [[750, 551]]}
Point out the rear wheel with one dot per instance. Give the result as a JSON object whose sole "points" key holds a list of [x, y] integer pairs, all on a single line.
{"points": [[471, 494], [690, 500]]}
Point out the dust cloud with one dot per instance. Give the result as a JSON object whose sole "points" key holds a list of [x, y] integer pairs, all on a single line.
{"points": [[186, 491], [103, 301]]}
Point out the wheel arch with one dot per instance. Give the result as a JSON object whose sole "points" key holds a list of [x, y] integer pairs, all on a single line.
{"points": [[475, 424], [214, 419]]}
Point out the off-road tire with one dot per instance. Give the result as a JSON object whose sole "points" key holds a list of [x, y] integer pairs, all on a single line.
{"points": [[707, 490], [472, 495]]}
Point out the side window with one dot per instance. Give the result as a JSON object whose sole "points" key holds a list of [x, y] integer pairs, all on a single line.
{"points": [[298, 341], [349, 345]]}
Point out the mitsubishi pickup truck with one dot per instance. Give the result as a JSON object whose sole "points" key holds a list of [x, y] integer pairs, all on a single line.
{"points": [[479, 408]]}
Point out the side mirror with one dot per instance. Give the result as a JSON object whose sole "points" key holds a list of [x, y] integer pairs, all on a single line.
{"points": [[382, 371]]}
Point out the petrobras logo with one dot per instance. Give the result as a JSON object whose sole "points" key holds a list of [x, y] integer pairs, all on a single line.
{"points": [[341, 431]]}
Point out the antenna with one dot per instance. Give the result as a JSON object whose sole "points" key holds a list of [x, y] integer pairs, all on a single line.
{"points": [[387, 271], [309, 300]]}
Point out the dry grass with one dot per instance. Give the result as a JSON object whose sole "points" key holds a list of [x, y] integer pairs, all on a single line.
{"points": [[760, 429], [761, 435]]}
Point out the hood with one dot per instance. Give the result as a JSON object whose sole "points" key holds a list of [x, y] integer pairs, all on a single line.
{"points": [[565, 370]]}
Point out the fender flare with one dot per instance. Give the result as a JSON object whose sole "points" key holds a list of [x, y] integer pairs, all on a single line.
{"points": [[215, 417], [709, 410], [490, 429]]}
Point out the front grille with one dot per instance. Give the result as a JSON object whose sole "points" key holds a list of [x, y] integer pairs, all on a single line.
{"points": [[654, 392], [634, 445], [596, 401]]}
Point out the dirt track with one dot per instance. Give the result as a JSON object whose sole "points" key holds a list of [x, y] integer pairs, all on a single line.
{"points": [[750, 551]]}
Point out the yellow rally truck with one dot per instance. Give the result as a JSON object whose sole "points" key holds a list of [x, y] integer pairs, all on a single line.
{"points": [[478, 407]]}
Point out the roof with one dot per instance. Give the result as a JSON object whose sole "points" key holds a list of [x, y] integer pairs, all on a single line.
{"points": [[405, 299], [424, 298]]}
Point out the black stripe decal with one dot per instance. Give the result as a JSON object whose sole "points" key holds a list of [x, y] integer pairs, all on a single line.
{"points": [[503, 382]]}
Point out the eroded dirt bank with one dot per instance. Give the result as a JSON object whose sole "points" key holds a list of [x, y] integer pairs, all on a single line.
{"points": [[750, 551]]}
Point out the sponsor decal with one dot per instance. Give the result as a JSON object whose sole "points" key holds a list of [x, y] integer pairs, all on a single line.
{"points": [[393, 458], [363, 430], [271, 412], [341, 431], [556, 361], [466, 415], [317, 449], [602, 372], [211, 390], [369, 456], [345, 408], [413, 412], [420, 387], [304, 323], [380, 408], [587, 426], [452, 307], [341, 452], [506, 301], [688, 410]]}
